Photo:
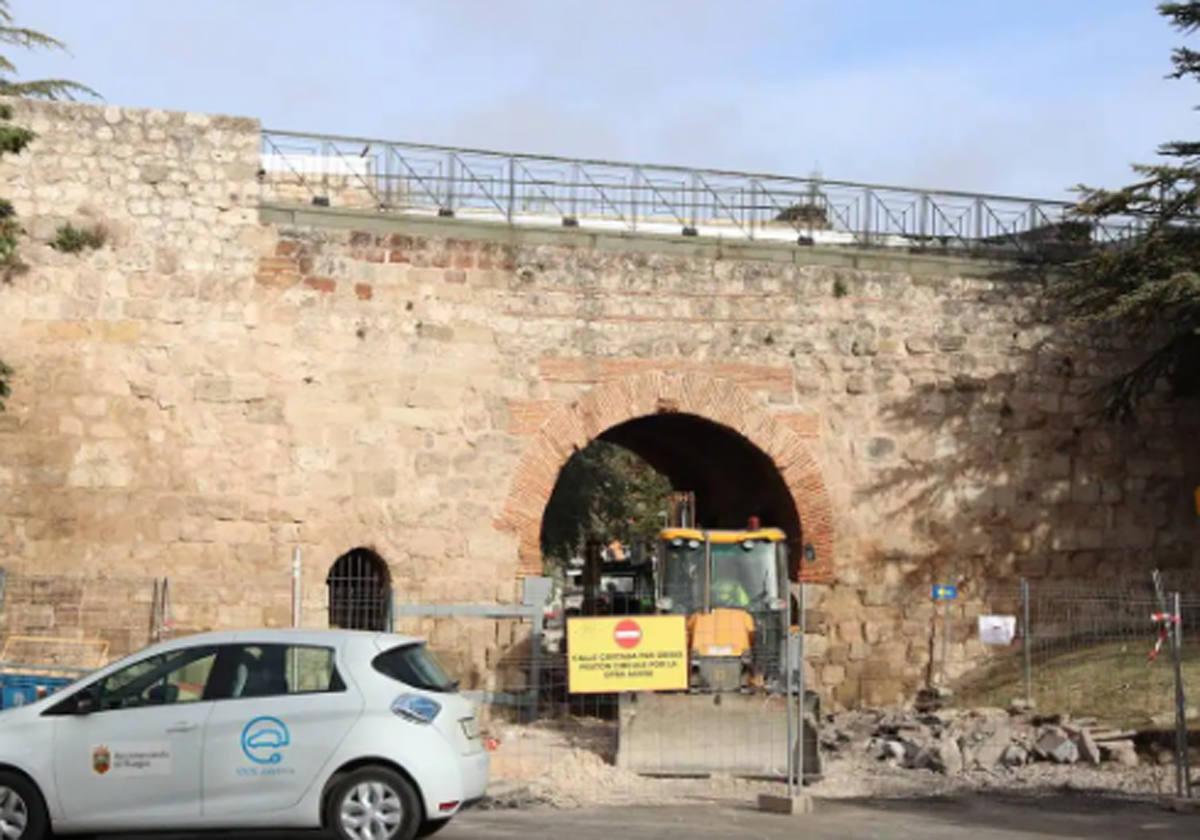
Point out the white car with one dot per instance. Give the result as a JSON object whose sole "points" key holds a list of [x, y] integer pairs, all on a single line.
{"points": [[360, 733]]}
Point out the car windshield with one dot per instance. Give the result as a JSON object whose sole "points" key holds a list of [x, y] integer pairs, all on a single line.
{"points": [[683, 576], [416, 666]]}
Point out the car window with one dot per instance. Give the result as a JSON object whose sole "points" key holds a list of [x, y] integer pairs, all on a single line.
{"points": [[274, 670], [414, 665], [179, 676]]}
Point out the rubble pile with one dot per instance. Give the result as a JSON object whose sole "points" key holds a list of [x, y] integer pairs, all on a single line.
{"points": [[952, 742]]}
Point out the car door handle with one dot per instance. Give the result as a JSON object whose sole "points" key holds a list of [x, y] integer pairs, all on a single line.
{"points": [[181, 727]]}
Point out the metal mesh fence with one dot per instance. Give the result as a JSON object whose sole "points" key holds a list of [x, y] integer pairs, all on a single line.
{"points": [[1120, 658], [1087, 651], [567, 741], [74, 622]]}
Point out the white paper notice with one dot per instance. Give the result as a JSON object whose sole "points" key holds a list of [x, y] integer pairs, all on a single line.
{"points": [[997, 629]]}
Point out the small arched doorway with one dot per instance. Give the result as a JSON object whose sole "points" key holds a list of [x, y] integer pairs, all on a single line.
{"points": [[360, 591]]}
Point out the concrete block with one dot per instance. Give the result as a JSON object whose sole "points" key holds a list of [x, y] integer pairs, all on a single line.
{"points": [[1057, 748], [787, 805]]}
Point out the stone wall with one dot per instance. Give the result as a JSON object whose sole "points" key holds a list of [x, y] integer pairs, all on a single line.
{"points": [[222, 383], [75, 621]]}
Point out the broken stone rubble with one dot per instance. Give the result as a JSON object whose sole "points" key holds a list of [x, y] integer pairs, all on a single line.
{"points": [[951, 741]]}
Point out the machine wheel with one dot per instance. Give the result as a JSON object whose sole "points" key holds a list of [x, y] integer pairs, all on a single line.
{"points": [[22, 809], [374, 803]]}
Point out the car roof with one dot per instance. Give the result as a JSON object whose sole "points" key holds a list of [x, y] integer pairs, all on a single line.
{"points": [[291, 636]]}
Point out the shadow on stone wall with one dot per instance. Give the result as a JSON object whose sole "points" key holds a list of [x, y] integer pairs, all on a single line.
{"points": [[1000, 465], [1018, 473]]}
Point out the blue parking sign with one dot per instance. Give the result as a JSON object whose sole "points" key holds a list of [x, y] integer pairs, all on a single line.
{"points": [[944, 592]]}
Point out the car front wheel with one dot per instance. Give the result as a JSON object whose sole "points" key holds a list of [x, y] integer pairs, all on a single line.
{"points": [[373, 803], [22, 810]]}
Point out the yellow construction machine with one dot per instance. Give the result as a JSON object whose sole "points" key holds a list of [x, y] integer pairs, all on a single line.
{"points": [[733, 588]]}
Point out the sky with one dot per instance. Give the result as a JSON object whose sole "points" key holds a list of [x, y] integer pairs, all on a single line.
{"points": [[1021, 97]]}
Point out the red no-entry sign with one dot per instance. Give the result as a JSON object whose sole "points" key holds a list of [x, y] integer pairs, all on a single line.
{"points": [[627, 633]]}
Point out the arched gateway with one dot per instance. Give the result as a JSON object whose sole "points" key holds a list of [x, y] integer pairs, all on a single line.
{"points": [[705, 434]]}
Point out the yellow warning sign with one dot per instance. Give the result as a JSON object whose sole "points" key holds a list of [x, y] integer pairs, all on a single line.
{"points": [[626, 653]]}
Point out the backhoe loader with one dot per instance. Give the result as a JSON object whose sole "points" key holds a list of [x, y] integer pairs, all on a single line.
{"points": [[733, 589]]}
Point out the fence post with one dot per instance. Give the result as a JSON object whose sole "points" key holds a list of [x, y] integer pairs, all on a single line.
{"points": [[296, 560], [800, 687], [1026, 642], [790, 665], [945, 641], [1183, 770], [155, 623], [535, 668]]}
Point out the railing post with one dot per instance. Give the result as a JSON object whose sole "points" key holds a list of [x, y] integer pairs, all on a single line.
{"points": [[866, 225], [695, 190], [922, 215], [574, 202], [512, 187], [450, 176], [751, 209], [979, 219], [633, 198]]}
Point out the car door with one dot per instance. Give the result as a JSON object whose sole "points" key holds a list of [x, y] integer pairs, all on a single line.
{"points": [[281, 714], [128, 747]]}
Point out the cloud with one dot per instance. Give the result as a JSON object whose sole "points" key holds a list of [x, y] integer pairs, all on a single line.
{"points": [[1026, 97]]}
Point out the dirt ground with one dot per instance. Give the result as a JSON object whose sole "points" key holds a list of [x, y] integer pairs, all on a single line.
{"points": [[569, 764]]}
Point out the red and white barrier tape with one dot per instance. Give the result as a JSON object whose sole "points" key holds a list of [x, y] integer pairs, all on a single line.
{"points": [[1163, 622]]}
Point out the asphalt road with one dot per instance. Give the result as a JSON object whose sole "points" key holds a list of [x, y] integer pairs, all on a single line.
{"points": [[980, 818]]}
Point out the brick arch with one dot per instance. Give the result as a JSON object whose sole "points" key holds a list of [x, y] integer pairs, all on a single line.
{"points": [[571, 427]]}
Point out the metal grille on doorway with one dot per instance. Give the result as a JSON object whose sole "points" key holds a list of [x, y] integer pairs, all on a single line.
{"points": [[360, 592]]}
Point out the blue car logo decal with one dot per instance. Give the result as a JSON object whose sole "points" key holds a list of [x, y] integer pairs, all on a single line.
{"points": [[264, 738]]}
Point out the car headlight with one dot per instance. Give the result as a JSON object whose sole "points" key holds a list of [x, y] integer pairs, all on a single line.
{"points": [[416, 707]]}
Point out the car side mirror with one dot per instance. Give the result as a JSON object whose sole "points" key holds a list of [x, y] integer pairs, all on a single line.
{"points": [[85, 704]]}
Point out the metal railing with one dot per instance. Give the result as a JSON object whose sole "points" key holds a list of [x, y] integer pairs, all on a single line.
{"points": [[519, 189]]}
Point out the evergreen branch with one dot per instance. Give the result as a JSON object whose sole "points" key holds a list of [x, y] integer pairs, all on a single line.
{"points": [[1184, 16], [46, 89], [1181, 148], [1168, 363], [1186, 62], [29, 39]]}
